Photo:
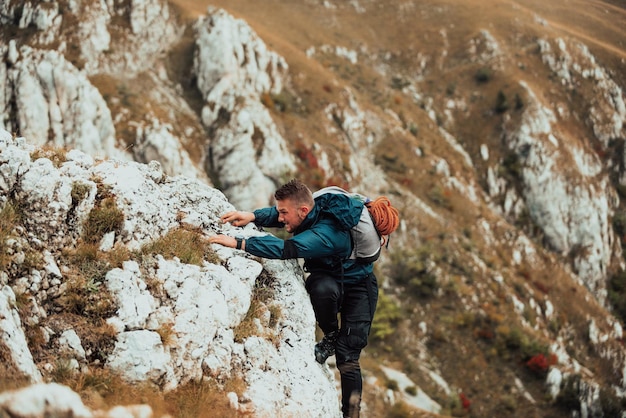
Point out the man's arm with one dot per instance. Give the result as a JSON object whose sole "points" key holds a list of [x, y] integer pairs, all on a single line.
{"points": [[262, 217], [322, 241]]}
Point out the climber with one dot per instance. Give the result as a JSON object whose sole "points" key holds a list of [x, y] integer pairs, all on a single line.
{"points": [[336, 283]]}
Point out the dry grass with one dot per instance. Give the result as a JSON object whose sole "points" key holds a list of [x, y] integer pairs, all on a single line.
{"points": [[188, 245], [54, 154], [103, 389], [10, 375], [85, 292], [9, 218], [261, 305], [104, 217], [204, 400], [167, 334], [492, 345]]}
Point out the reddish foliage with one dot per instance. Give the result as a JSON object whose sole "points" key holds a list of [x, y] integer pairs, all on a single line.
{"points": [[465, 402], [485, 334], [545, 289], [306, 155], [311, 172], [539, 363]]}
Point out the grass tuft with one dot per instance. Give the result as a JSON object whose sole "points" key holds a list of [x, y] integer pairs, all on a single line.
{"points": [[79, 192], [57, 155], [167, 334], [9, 217], [105, 217], [260, 305], [188, 245]]}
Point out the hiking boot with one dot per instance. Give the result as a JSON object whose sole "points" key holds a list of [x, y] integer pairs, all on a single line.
{"points": [[326, 347]]}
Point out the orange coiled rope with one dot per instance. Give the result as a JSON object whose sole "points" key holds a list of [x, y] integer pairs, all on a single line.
{"points": [[386, 217]]}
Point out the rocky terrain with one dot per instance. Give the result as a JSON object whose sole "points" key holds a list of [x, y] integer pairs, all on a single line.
{"points": [[496, 127]]}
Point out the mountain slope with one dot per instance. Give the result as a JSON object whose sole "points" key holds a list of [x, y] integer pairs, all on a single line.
{"points": [[497, 127]]}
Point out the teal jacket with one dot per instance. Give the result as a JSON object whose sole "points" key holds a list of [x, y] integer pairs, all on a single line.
{"points": [[322, 239]]}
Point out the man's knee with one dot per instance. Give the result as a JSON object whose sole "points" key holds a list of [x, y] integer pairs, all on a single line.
{"points": [[352, 339], [348, 367], [322, 285]]}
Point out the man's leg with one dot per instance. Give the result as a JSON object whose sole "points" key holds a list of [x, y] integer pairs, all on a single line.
{"points": [[325, 294], [357, 311]]}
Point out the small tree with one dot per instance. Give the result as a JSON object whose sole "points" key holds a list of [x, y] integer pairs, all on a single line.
{"points": [[502, 105]]}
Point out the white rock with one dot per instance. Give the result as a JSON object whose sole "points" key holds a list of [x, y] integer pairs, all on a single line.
{"points": [[134, 301], [70, 342], [234, 68], [44, 400], [140, 356], [12, 336]]}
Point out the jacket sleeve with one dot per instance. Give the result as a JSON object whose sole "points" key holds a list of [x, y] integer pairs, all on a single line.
{"points": [[321, 241], [267, 217]]}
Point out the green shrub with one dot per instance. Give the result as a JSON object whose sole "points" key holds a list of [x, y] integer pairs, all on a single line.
{"points": [[410, 268], [450, 89], [511, 167], [441, 197], [519, 103], [386, 318], [483, 75], [619, 224], [568, 398], [392, 384], [617, 294], [502, 105], [612, 405]]}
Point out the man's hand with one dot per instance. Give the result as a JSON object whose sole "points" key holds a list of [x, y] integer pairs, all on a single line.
{"points": [[224, 240], [238, 218]]}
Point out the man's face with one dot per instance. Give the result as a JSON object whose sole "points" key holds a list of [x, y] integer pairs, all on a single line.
{"points": [[290, 214]]}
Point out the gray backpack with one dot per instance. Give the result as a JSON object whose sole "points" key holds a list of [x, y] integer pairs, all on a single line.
{"points": [[350, 211]]}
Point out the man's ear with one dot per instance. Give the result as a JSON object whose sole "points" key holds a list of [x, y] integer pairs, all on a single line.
{"points": [[303, 211]]}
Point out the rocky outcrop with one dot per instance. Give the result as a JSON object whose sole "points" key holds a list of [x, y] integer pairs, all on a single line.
{"points": [[575, 215], [202, 305], [142, 30], [234, 68], [47, 99]]}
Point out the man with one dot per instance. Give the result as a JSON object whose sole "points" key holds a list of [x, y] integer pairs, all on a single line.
{"points": [[336, 284]]}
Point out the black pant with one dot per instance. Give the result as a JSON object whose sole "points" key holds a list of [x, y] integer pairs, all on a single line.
{"points": [[356, 302]]}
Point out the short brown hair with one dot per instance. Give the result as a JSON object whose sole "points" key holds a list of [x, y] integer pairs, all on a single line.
{"points": [[296, 191]]}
